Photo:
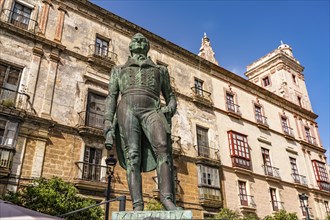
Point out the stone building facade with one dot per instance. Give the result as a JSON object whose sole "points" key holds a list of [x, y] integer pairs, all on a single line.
{"points": [[249, 145]]}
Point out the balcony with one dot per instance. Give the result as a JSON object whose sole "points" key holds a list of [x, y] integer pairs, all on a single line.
{"points": [[272, 171], [288, 132], [6, 159], [233, 110], [202, 97], [101, 56], [15, 103], [91, 176], [210, 197], [262, 121], [299, 179], [247, 203], [19, 20], [90, 123], [311, 140], [323, 185], [277, 205], [208, 152]]}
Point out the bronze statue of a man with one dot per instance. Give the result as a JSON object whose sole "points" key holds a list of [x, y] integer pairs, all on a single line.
{"points": [[138, 124]]}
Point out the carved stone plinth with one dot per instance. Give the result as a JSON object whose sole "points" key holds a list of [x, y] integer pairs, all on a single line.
{"points": [[152, 215]]}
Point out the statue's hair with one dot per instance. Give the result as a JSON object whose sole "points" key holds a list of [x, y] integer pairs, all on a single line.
{"points": [[141, 36]]}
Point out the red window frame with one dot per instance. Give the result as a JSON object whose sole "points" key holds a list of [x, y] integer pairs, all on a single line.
{"points": [[321, 175], [242, 193], [239, 150]]}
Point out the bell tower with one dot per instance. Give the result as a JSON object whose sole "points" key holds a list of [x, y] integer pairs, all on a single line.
{"points": [[280, 73]]}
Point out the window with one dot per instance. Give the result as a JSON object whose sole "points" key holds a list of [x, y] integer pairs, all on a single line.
{"points": [[266, 81], [326, 206], [321, 175], [9, 82], [95, 110], [92, 164], [267, 163], [273, 197], [20, 16], [303, 209], [299, 101], [202, 142], [259, 116], [294, 170], [8, 135], [101, 47], [198, 87], [239, 150], [310, 139], [207, 215], [294, 79], [242, 193], [208, 183], [231, 106], [285, 126]]}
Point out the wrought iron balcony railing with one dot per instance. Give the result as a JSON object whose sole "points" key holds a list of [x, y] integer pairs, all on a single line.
{"points": [[17, 100], [232, 107], [91, 119], [277, 205], [324, 185], [92, 172], [201, 94], [272, 171], [247, 200], [19, 20], [288, 131], [299, 179], [311, 140], [208, 152], [102, 52], [6, 157], [261, 119]]}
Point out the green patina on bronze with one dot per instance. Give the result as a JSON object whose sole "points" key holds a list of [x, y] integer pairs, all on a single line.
{"points": [[139, 125]]}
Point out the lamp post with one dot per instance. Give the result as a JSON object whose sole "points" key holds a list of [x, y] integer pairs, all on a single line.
{"points": [[304, 198], [111, 163]]}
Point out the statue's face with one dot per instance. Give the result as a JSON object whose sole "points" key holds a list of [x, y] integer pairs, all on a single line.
{"points": [[139, 44]]}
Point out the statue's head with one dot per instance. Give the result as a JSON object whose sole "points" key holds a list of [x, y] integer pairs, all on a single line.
{"points": [[139, 44]]}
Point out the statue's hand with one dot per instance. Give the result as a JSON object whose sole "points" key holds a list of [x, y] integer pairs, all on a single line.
{"points": [[108, 141]]}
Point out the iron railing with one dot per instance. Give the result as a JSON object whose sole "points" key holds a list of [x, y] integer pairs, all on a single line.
{"points": [[102, 52], [232, 107], [19, 20], [272, 171], [6, 157], [299, 179], [323, 185], [287, 130], [91, 119], [92, 172], [208, 152], [261, 119], [14, 99], [247, 200], [277, 205], [310, 139]]}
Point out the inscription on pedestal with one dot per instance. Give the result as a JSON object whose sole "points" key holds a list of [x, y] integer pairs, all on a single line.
{"points": [[149, 215]]}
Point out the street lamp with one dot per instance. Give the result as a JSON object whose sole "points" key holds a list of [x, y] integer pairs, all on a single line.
{"points": [[111, 163], [304, 198]]}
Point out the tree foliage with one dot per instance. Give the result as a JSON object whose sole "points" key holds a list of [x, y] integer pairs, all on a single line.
{"points": [[227, 214], [154, 205], [282, 215], [54, 197]]}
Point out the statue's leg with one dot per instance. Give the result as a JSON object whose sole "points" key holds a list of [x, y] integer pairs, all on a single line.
{"points": [[156, 133], [131, 133]]}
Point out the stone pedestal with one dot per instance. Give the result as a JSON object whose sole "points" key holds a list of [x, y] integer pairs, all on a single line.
{"points": [[152, 215]]}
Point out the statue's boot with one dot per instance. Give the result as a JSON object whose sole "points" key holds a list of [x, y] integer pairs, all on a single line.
{"points": [[165, 183], [135, 188]]}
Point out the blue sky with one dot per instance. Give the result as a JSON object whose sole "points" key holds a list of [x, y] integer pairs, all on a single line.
{"points": [[242, 32]]}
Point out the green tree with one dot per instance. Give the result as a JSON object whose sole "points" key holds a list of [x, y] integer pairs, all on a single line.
{"points": [[328, 217], [154, 205], [250, 216], [227, 214], [282, 215], [54, 197]]}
